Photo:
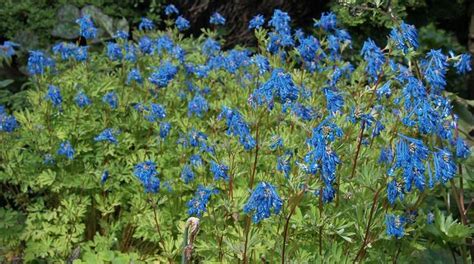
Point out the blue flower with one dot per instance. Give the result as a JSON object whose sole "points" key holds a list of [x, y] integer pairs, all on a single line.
{"points": [[198, 106], [219, 171], [196, 160], [182, 23], [134, 75], [236, 126], [262, 63], [263, 201], [130, 52], [280, 21], [334, 101], [305, 113], [165, 128], [256, 22], [104, 177], [114, 51], [210, 47], [327, 22], [386, 155], [276, 142], [430, 217], [48, 159], [379, 127], [7, 50], [82, 100], [81, 53], [462, 149], [146, 173], [405, 37], [38, 62], [8, 123], [410, 156], [156, 112], [384, 90], [164, 43], [279, 85], [434, 72], [444, 166], [374, 57], [107, 135], [87, 28], [197, 205], [54, 96], [163, 75], [67, 50], [217, 19], [145, 44], [463, 65], [308, 48], [121, 34], [171, 9], [394, 190], [146, 24], [284, 163], [395, 225], [187, 174], [111, 99], [66, 149]]}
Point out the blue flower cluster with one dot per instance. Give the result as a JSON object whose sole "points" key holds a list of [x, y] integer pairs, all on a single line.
{"points": [[263, 201], [87, 28], [107, 135], [147, 174], [8, 122], [197, 205], [236, 126]]}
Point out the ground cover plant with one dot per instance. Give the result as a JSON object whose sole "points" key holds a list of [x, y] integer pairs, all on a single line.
{"points": [[167, 148]]}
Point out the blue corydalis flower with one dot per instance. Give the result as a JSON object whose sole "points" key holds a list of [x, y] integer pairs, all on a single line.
{"points": [[219, 171], [197, 205], [65, 149], [121, 34], [284, 163], [135, 76], [48, 159], [462, 149], [156, 111], [327, 22], [81, 53], [279, 85], [375, 59], [280, 21], [171, 9], [405, 37], [111, 99], [87, 28], [187, 174], [435, 65], [130, 52], [463, 65], [195, 160], [386, 155], [146, 24], [444, 166], [107, 135], [66, 50], [54, 96], [146, 173], [263, 201], [334, 100], [8, 123], [394, 190], [163, 75], [182, 23], [114, 51], [82, 100], [38, 62], [236, 126], [7, 50], [262, 63], [217, 19], [276, 142], [198, 106], [384, 90], [210, 47], [104, 177], [145, 44], [256, 22], [165, 128], [395, 225]]}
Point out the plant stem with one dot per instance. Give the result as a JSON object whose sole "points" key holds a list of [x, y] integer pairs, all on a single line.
{"points": [[299, 196], [361, 251], [359, 143]]}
